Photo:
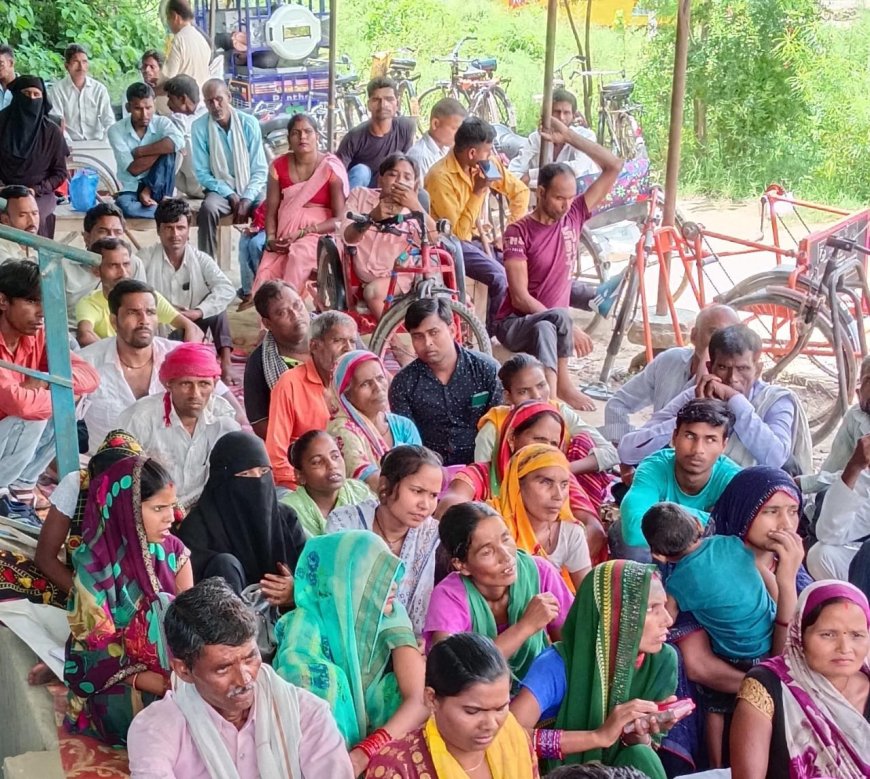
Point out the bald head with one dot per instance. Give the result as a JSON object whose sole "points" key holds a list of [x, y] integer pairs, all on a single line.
{"points": [[708, 321], [216, 97]]}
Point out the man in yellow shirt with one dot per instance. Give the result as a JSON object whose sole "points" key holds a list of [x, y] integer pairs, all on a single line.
{"points": [[92, 311], [457, 187]]}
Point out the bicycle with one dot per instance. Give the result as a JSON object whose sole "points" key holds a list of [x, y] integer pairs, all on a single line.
{"points": [[434, 274], [476, 86], [402, 71], [809, 317], [350, 109]]}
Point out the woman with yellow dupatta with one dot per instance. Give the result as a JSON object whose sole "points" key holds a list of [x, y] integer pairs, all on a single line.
{"points": [[470, 732], [533, 501]]}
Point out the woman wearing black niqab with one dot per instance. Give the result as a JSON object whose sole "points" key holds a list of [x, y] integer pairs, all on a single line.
{"points": [[238, 529], [32, 149]]}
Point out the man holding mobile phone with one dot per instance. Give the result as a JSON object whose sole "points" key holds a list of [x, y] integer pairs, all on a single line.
{"points": [[458, 185], [540, 250]]}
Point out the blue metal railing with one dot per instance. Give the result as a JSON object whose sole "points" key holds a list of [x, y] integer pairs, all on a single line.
{"points": [[51, 254]]}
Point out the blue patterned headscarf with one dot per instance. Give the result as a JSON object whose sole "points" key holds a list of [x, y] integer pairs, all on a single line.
{"points": [[742, 499]]}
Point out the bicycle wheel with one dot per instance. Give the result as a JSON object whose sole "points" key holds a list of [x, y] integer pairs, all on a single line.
{"points": [[626, 307], [591, 264], [408, 103], [802, 356], [502, 109], [393, 346], [354, 113]]}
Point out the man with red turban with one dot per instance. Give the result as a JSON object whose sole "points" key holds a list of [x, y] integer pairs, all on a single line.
{"points": [[181, 426]]}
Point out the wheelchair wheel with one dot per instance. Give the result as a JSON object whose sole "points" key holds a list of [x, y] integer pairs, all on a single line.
{"points": [[330, 276], [393, 345]]}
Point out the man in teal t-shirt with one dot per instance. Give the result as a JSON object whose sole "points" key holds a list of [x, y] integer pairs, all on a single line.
{"points": [[692, 474]]}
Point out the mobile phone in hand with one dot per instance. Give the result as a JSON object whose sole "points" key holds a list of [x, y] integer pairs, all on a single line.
{"points": [[490, 170], [667, 713]]}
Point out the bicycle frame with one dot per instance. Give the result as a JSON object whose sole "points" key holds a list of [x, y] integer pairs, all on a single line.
{"points": [[692, 248]]}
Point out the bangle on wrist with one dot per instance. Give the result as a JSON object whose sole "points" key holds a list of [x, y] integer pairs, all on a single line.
{"points": [[135, 677], [781, 623], [548, 743], [373, 744]]}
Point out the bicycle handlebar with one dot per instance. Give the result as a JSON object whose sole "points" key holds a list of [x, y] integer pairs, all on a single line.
{"points": [[846, 245]]}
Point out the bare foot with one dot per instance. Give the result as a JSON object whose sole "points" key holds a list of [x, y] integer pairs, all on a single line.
{"points": [[40, 674], [145, 198], [247, 302], [578, 400]]}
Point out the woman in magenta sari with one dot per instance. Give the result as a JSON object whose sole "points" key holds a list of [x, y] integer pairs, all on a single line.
{"points": [[304, 199]]}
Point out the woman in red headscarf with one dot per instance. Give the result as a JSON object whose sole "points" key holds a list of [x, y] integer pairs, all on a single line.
{"points": [[532, 422]]}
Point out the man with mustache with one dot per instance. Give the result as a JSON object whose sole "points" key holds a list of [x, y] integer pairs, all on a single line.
{"points": [[128, 362], [21, 212], [230, 714], [92, 314], [181, 426]]}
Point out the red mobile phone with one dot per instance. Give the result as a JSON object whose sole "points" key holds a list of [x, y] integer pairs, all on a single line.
{"points": [[668, 712]]}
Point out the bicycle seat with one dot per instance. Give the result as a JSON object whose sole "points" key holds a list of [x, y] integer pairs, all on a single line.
{"points": [[347, 79], [488, 64], [403, 64], [618, 88], [274, 125]]}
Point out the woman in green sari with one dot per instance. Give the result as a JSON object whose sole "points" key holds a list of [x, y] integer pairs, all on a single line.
{"points": [[517, 600], [610, 670], [351, 642]]}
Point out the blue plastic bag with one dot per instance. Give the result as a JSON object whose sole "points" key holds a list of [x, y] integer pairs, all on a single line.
{"points": [[83, 189]]}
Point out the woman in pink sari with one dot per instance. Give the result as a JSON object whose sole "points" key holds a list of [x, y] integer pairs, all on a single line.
{"points": [[304, 200]]}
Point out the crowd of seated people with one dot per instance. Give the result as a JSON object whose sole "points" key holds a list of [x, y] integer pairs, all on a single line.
{"points": [[407, 576]]}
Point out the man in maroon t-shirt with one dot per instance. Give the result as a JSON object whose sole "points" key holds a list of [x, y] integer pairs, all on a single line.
{"points": [[539, 252]]}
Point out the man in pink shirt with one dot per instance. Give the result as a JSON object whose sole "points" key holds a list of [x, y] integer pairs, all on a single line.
{"points": [[539, 253], [26, 435], [229, 714]]}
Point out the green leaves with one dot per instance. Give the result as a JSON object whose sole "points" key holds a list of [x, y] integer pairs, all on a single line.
{"points": [[114, 32]]}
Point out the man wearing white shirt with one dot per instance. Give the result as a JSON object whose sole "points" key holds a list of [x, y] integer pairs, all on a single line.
{"points": [[526, 164], [129, 362], [186, 106], [190, 51], [844, 520], [82, 102], [7, 74], [21, 212], [444, 120], [181, 426], [190, 279]]}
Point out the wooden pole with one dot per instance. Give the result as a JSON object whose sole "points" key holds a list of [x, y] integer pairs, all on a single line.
{"points": [[672, 172], [549, 57], [330, 99]]}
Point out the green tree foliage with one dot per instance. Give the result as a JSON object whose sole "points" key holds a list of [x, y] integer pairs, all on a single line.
{"points": [[775, 92], [114, 32]]}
